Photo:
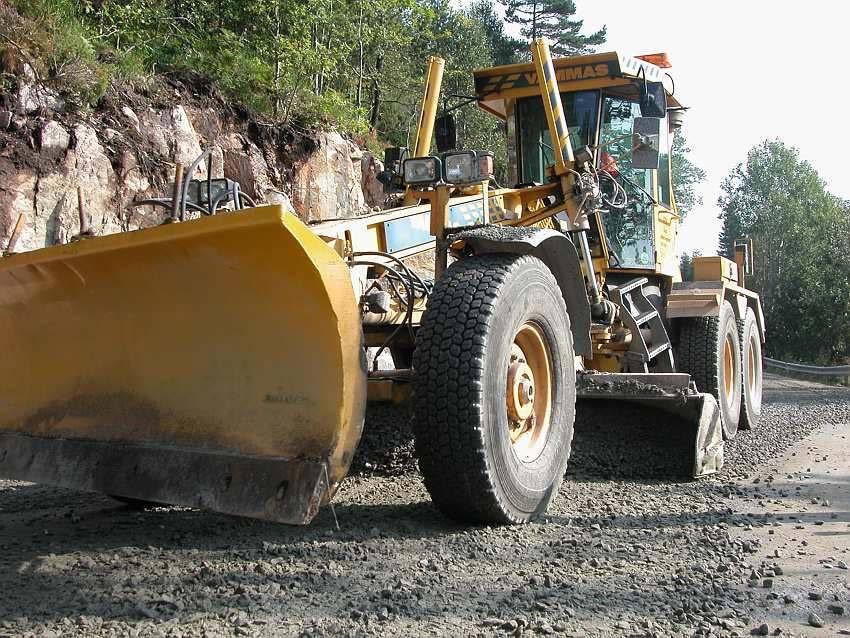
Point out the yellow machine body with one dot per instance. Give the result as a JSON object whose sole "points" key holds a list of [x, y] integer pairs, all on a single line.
{"points": [[220, 362], [715, 269], [223, 353]]}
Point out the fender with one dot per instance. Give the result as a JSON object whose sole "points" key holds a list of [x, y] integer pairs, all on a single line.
{"points": [[556, 251], [703, 299]]}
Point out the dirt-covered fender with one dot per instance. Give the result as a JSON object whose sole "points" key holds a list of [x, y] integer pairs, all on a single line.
{"points": [[556, 251]]}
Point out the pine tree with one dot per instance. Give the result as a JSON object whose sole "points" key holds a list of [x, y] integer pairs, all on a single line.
{"points": [[503, 47], [553, 19]]}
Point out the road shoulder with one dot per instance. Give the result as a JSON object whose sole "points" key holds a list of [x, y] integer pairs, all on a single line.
{"points": [[797, 513]]}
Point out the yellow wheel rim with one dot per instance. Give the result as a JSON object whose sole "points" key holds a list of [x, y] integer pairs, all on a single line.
{"points": [[729, 345], [752, 381], [528, 393]]}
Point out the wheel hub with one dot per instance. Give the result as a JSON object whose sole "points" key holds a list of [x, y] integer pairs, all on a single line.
{"points": [[520, 399], [528, 391], [729, 367], [752, 381]]}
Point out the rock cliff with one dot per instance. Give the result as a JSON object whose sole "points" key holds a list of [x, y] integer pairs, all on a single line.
{"points": [[127, 150]]}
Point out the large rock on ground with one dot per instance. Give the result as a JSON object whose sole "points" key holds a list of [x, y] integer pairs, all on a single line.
{"points": [[16, 198]]}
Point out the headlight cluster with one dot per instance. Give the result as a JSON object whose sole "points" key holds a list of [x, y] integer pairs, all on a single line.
{"points": [[459, 167]]}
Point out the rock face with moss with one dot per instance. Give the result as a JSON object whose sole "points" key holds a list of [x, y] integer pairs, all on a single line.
{"points": [[123, 153], [74, 116]]}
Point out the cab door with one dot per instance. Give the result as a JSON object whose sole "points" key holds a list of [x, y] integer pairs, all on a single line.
{"points": [[630, 228], [666, 215]]}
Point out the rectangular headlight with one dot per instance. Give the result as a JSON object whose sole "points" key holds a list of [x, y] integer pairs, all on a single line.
{"points": [[460, 168], [421, 170]]}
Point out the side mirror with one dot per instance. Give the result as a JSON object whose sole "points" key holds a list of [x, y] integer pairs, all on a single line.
{"points": [[653, 99], [445, 130], [646, 140]]}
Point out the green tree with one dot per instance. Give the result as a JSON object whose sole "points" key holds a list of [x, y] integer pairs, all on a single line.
{"points": [[356, 65], [503, 47], [555, 20], [686, 176], [801, 235]]}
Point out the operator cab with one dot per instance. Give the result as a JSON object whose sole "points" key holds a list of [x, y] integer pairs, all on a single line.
{"points": [[603, 95]]}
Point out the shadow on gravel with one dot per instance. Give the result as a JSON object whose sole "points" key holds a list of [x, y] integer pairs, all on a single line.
{"points": [[619, 440], [93, 556], [78, 521]]}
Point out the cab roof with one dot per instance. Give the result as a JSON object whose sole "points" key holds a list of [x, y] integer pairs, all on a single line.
{"points": [[496, 85]]}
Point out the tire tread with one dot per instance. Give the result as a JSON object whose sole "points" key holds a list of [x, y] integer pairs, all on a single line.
{"points": [[448, 389]]}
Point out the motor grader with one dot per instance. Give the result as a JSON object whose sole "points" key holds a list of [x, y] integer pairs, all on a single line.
{"points": [[221, 362]]}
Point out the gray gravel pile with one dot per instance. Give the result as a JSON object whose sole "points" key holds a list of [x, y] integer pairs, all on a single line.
{"points": [[621, 440], [619, 554]]}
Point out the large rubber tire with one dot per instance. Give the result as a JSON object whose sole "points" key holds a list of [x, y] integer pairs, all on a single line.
{"points": [[708, 349], [752, 374], [472, 470]]}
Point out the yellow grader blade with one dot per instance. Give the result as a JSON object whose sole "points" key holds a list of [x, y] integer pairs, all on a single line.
{"points": [[213, 363]]}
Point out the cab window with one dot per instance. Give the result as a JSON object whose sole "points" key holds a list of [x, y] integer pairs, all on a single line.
{"points": [[628, 229], [535, 143]]}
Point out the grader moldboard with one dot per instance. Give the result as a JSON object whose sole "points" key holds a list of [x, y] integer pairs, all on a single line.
{"points": [[220, 362]]}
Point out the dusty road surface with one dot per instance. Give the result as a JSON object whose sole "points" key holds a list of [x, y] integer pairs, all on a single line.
{"points": [[627, 550]]}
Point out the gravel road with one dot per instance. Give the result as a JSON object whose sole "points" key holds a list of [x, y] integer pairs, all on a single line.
{"points": [[626, 550]]}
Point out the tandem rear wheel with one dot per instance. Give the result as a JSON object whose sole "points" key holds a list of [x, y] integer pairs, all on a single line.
{"points": [[709, 350], [494, 390], [751, 366]]}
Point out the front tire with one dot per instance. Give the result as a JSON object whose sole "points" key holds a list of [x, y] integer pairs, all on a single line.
{"points": [[494, 390], [708, 350]]}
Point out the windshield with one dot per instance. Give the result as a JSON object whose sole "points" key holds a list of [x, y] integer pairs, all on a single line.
{"points": [[629, 229], [535, 143]]}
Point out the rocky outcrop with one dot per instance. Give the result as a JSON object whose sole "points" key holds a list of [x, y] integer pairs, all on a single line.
{"points": [[130, 154], [32, 96], [330, 183]]}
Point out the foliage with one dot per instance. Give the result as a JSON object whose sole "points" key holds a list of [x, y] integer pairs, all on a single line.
{"points": [[504, 49], [48, 37], [357, 65], [801, 235], [686, 176], [552, 19]]}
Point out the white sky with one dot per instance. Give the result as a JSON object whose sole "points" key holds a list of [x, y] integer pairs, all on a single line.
{"points": [[749, 70]]}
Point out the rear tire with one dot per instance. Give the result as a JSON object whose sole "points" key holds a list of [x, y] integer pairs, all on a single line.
{"points": [[751, 366], [494, 390], [708, 350]]}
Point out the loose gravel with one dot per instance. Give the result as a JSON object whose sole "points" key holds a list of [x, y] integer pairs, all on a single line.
{"points": [[627, 549]]}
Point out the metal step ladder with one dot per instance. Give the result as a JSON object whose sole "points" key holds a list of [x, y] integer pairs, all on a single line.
{"points": [[639, 315]]}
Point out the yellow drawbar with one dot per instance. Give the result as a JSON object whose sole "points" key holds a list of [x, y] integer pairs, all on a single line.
{"points": [[214, 363]]}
